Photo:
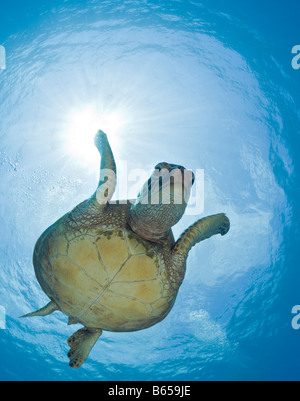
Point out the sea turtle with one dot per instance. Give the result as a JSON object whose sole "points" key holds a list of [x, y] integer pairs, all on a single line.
{"points": [[115, 266]]}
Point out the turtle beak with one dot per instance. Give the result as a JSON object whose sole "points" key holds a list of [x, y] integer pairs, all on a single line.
{"points": [[193, 177], [164, 175]]}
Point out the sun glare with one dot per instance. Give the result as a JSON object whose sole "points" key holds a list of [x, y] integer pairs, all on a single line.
{"points": [[81, 127]]}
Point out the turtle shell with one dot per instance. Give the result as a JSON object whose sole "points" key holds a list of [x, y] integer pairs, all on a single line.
{"points": [[110, 279]]}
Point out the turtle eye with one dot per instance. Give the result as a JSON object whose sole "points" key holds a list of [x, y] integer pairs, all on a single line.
{"points": [[190, 176]]}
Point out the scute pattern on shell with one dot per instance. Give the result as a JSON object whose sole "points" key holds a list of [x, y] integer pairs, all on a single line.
{"points": [[105, 278]]}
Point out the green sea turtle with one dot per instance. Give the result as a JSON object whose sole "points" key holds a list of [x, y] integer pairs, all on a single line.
{"points": [[115, 266]]}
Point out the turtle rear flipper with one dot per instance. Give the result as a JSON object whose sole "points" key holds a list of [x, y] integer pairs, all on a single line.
{"points": [[81, 344], [46, 310]]}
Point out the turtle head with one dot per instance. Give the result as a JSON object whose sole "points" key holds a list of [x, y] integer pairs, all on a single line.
{"points": [[161, 202]]}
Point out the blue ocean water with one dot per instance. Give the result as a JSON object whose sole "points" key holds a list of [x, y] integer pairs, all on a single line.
{"points": [[209, 85]]}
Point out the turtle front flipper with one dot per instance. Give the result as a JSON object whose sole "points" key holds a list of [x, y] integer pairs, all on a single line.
{"points": [[107, 180], [199, 231], [81, 344]]}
